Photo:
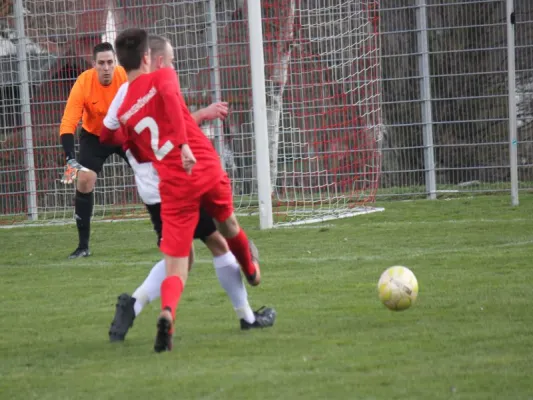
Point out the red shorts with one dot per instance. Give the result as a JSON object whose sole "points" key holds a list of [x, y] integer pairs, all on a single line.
{"points": [[180, 215]]}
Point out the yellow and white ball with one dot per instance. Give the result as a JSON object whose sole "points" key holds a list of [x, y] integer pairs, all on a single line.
{"points": [[398, 288]]}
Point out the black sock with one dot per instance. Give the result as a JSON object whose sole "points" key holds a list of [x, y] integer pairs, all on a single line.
{"points": [[155, 215], [84, 209]]}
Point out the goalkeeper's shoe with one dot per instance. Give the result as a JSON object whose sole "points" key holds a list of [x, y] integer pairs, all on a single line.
{"points": [[264, 318], [71, 171], [123, 319], [165, 332], [254, 279], [80, 252]]}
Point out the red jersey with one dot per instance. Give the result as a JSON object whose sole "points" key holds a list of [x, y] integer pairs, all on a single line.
{"points": [[156, 122]]}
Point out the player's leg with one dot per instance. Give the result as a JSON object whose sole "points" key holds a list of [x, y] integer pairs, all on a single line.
{"points": [[226, 267], [243, 248], [129, 307], [229, 275], [171, 289], [150, 289], [179, 221], [91, 157], [218, 202]]}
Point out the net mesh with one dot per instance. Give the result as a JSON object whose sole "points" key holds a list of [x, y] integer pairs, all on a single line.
{"points": [[322, 69]]}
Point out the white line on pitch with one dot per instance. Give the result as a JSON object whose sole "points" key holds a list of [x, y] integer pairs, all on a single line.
{"points": [[447, 221], [322, 225], [297, 259]]}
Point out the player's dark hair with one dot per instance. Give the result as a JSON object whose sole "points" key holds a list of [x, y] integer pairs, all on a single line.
{"points": [[157, 44], [101, 47], [131, 45]]}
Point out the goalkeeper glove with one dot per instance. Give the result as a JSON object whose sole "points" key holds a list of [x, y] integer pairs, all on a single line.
{"points": [[73, 167], [71, 171]]}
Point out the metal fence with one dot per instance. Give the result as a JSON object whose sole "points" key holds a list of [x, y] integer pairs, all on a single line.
{"points": [[447, 108], [446, 95]]}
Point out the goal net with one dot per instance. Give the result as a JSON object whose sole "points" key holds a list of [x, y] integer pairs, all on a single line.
{"points": [[322, 83]]}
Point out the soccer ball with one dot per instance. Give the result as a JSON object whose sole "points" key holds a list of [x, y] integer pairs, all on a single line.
{"points": [[398, 288]]}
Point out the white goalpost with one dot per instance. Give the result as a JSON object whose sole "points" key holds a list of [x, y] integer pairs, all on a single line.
{"points": [[316, 193], [302, 142]]}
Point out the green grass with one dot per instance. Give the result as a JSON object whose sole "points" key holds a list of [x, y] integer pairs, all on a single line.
{"points": [[246, 204], [467, 337]]}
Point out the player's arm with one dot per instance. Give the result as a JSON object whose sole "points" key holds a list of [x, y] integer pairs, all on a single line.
{"points": [[71, 118], [168, 87], [116, 137], [111, 134], [218, 110], [69, 123]]}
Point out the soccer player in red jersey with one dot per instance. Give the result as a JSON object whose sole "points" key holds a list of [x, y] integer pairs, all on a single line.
{"points": [[159, 129], [226, 267]]}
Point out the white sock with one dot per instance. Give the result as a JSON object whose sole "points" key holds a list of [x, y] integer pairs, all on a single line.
{"points": [[229, 275], [150, 288]]}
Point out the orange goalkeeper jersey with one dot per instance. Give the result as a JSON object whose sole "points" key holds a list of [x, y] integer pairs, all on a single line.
{"points": [[89, 101]]}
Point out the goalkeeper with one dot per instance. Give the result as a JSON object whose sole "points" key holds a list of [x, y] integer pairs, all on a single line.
{"points": [[88, 101]]}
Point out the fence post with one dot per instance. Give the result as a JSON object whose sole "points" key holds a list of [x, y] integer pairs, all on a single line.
{"points": [[511, 73], [425, 95], [22, 57], [215, 78], [257, 65]]}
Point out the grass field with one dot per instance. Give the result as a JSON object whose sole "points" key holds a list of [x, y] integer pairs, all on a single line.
{"points": [[469, 336]]}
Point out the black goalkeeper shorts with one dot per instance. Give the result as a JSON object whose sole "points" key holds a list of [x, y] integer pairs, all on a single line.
{"points": [[205, 227], [93, 154]]}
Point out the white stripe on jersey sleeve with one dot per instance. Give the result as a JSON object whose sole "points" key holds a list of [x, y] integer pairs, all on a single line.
{"points": [[111, 120]]}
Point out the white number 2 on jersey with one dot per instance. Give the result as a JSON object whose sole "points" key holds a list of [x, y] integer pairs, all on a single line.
{"points": [[150, 124]]}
